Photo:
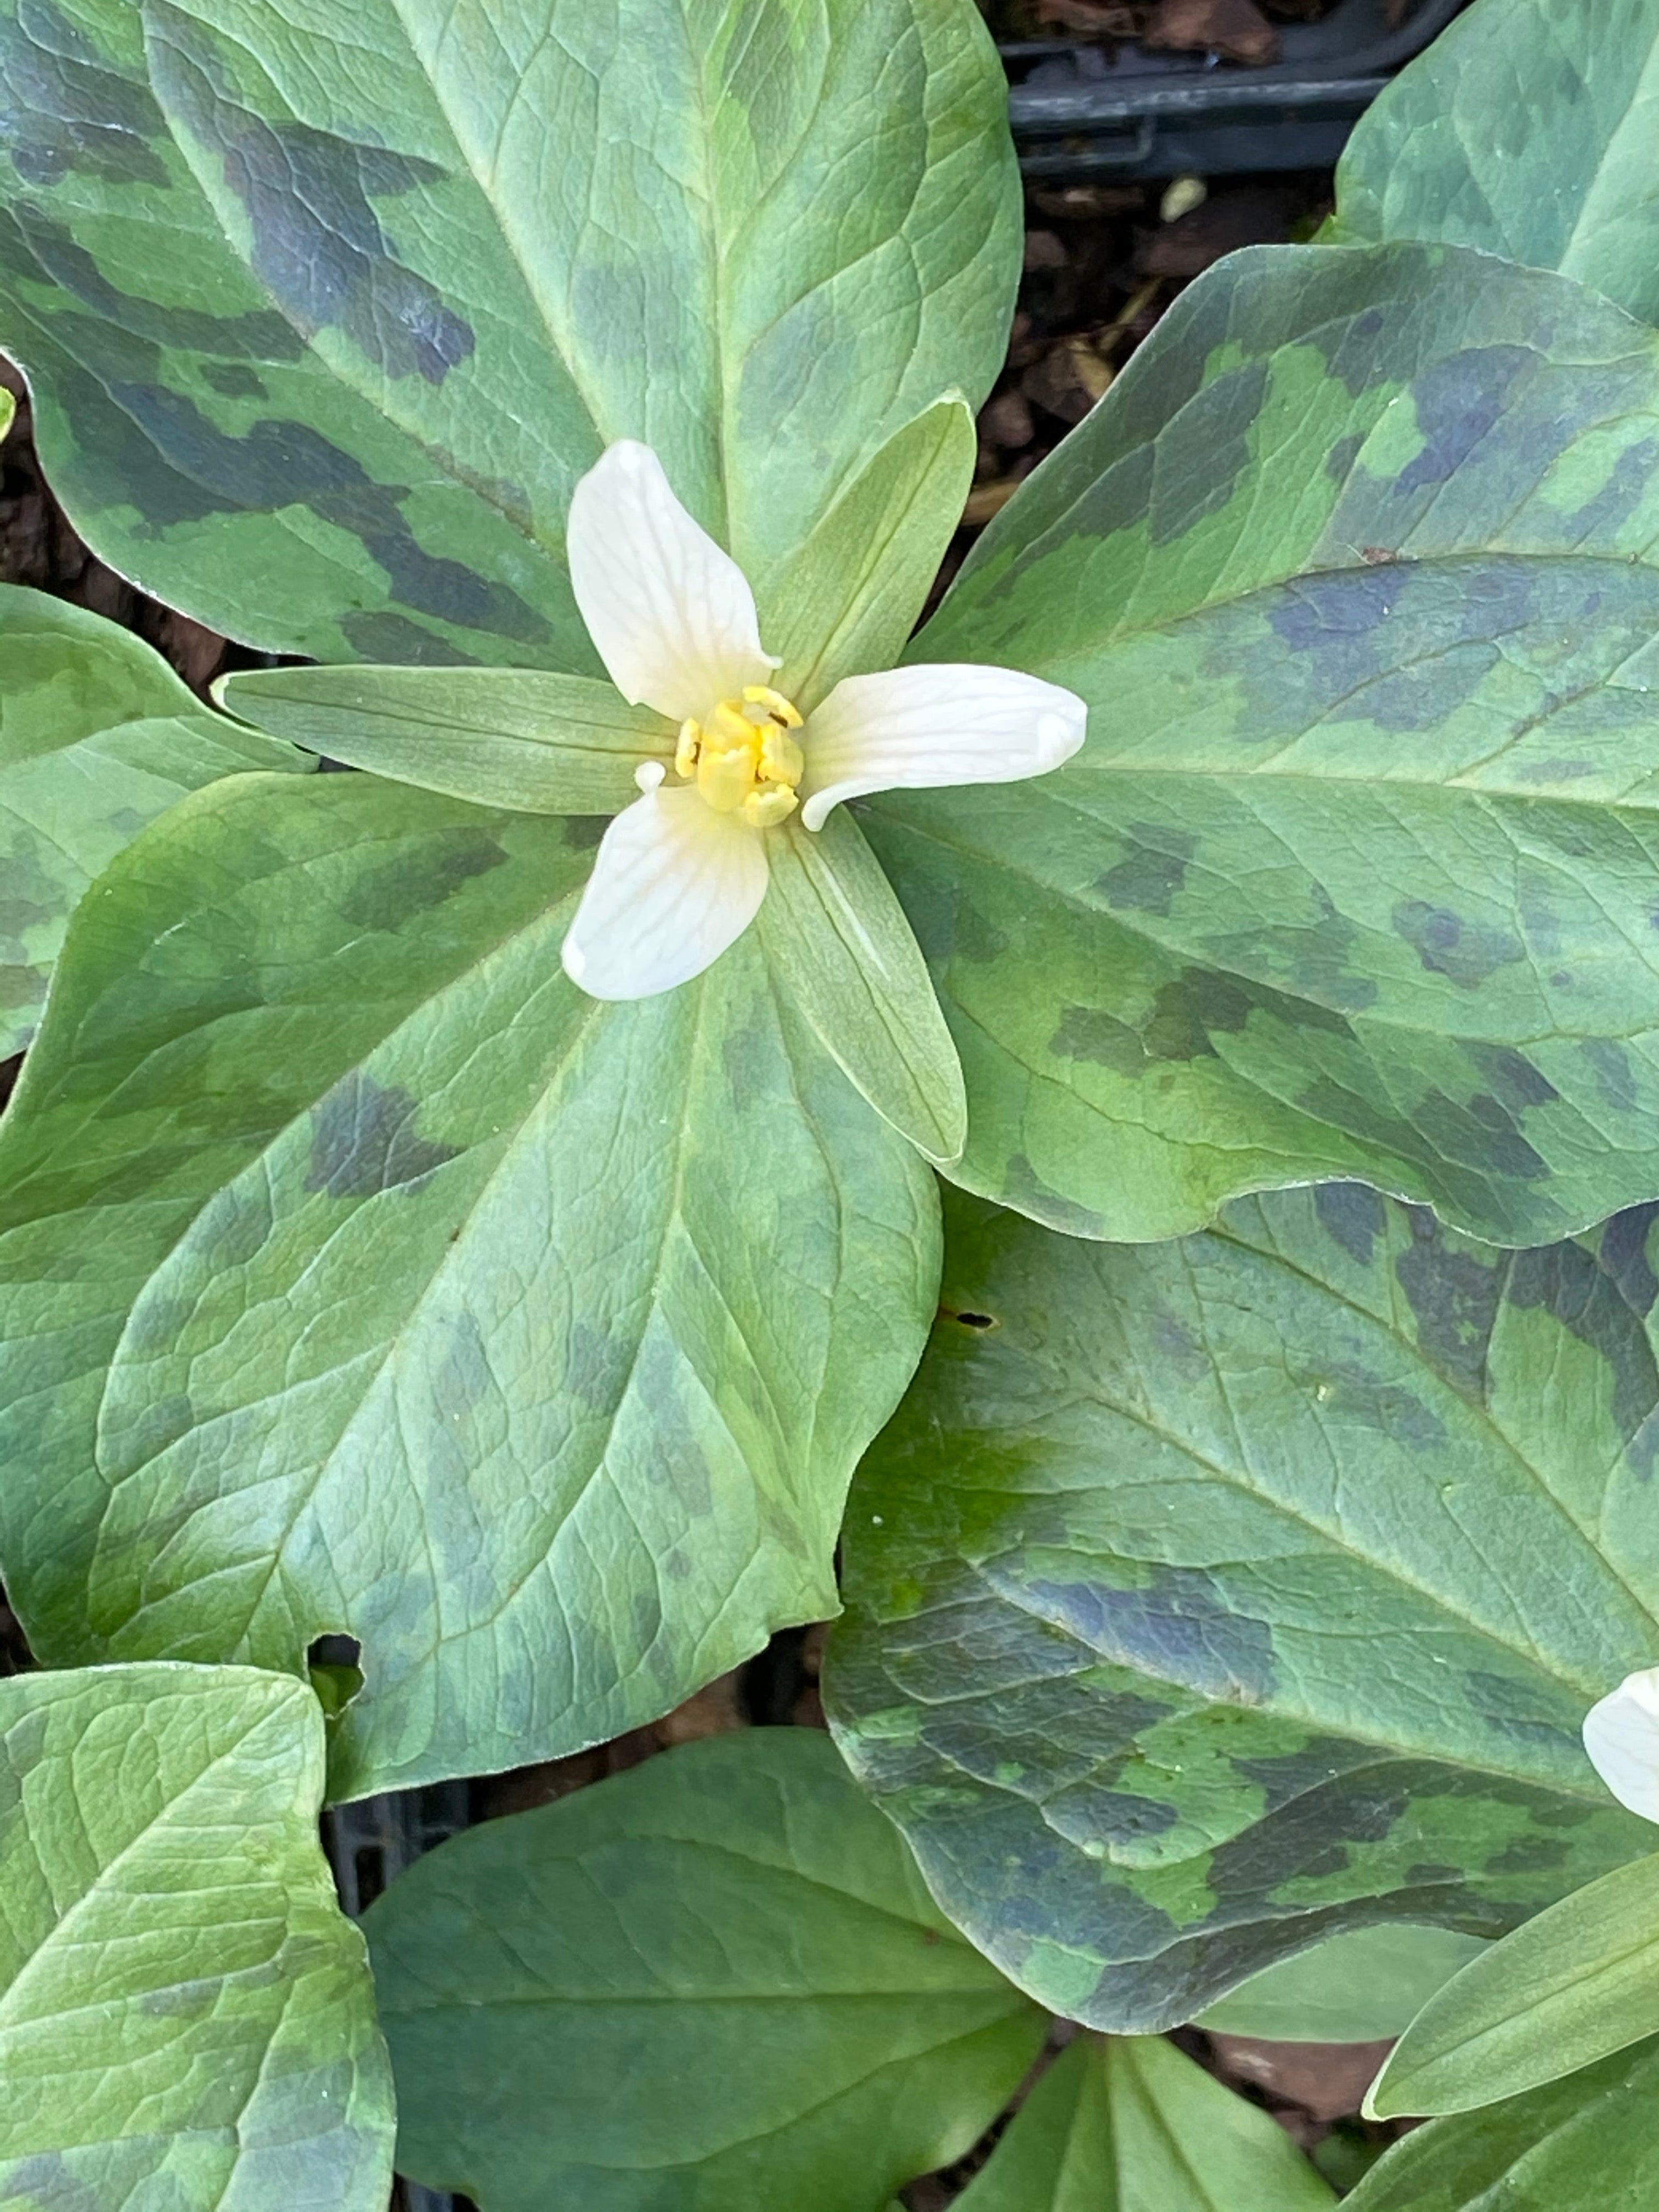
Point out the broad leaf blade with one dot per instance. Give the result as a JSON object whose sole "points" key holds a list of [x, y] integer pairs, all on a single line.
{"points": [[522, 739], [1353, 581], [1133, 2125], [97, 736], [416, 1297], [837, 940], [1527, 129], [185, 2016], [1207, 1597], [1579, 2145], [716, 1979], [322, 328], [1356, 1988], [1580, 1981]]}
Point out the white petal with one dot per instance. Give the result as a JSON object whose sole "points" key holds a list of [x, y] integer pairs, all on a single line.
{"points": [[916, 729], [673, 884], [1622, 1735], [672, 615]]}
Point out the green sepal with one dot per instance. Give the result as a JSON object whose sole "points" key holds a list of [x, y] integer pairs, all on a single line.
{"points": [[1572, 1985], [838, 940], [521, 738]]}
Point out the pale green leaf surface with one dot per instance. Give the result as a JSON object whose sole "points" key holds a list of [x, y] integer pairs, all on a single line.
{"points": [[521, 738], [1355, 1987], [1578, 1982], [838, 942], [326, 313], [715, 1982], [185, 2018], [97, 736], [1527, 129], [358, 1275], [1205, 1598], [1353, 567], [1584, 2144], [1133, 2125]]}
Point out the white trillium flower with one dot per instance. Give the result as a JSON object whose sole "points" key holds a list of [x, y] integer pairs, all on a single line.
{"points": [[680, 874], [1622, 1735]]}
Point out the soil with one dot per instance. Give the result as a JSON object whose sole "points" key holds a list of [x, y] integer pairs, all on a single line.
{"points": [[1102, 264]]}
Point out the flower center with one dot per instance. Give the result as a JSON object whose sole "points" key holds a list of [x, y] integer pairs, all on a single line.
{"points": [[744, 757]]}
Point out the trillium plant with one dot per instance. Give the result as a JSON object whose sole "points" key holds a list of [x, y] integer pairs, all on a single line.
{"points": [[1096, 1129], [680, 873]]}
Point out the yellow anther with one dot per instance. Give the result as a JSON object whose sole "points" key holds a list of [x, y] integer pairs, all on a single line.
{"points": [[765, 809], [726, 778], [782, 760], [762, 694], [743, 758]]}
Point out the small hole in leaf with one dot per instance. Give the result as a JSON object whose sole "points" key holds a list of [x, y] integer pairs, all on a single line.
{"points": [[977, 1320], [335, 1674]]}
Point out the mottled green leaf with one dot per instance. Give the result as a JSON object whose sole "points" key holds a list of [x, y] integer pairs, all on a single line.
{"points": [[1353, 875], [325, 315], [521, 738], [97, 736], [185, 2019], [1353, 1988], [358, 1275], [1207, 1597], [1131, 2125], [1585, 2144], [715, 1981], [1527, 129], [1578, 1982], [838, 942]]}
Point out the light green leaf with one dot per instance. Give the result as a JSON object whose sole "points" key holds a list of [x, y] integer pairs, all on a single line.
{"points": [[1356, 1988], [846, 601], [1527, 130], [97, 736], [714, 1980], [838, 942], [323, 317], [1352, 568], [1584, 2144], [1579, 1981], [185, 2019], [358, 1275], [1209, 1597], [1131, 2125], [522, 739]]}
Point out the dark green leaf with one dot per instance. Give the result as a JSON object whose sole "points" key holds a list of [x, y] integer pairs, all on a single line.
{"points": [[1585, 2144], [716, 1980], [323, 317], [1131, 2125], [1206, 1597], [185, 2019], [1527, 130], [1579, 1981], [97, 736], [358, 1275], [1354, 874]]}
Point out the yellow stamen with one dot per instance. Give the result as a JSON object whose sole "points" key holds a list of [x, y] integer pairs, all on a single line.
{"points": [[743, 758], [762, 694], [764, 809]]}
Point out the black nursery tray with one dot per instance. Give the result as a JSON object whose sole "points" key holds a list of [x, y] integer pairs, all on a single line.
{"points": [[1083, 111]]}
